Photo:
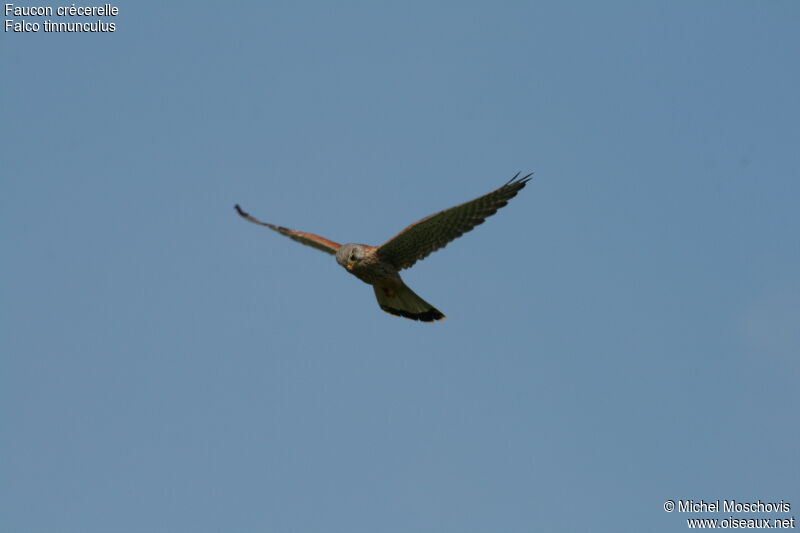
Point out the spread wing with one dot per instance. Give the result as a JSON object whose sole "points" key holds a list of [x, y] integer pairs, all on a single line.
{"points": [[309, 239], [425, 236]]}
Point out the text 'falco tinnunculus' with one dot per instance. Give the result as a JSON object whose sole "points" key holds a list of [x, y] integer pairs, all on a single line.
{"points": [[379, 266]]}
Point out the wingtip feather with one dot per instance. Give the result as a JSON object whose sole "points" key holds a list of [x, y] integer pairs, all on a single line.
{"points": [[517, 181]]}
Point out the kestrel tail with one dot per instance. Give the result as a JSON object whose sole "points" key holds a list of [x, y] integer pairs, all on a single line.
{"points": [[379, 266]]}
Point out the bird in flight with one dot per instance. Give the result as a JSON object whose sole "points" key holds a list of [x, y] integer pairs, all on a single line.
{"points": [[379, 266]]}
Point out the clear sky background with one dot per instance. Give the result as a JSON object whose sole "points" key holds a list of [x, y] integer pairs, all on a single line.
{"points": [[625, 332]]}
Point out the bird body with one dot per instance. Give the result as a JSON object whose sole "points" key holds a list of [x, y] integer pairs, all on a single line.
{"points": [[393, 295], [380, 266]]}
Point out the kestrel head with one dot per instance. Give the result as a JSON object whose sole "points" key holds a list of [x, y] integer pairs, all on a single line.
{"points": [[349, 255]]}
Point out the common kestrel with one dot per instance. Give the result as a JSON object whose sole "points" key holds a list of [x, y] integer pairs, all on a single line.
{"points": [[379, 266]]}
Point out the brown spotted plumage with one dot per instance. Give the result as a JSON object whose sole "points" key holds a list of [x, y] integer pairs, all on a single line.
{"points": [[379, 266]]}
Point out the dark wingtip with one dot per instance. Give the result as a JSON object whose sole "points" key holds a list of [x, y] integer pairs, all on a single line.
{"points": [[517, 181]]}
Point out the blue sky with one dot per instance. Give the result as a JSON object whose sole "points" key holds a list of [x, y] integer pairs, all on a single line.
{"points": [[623, 333]]}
